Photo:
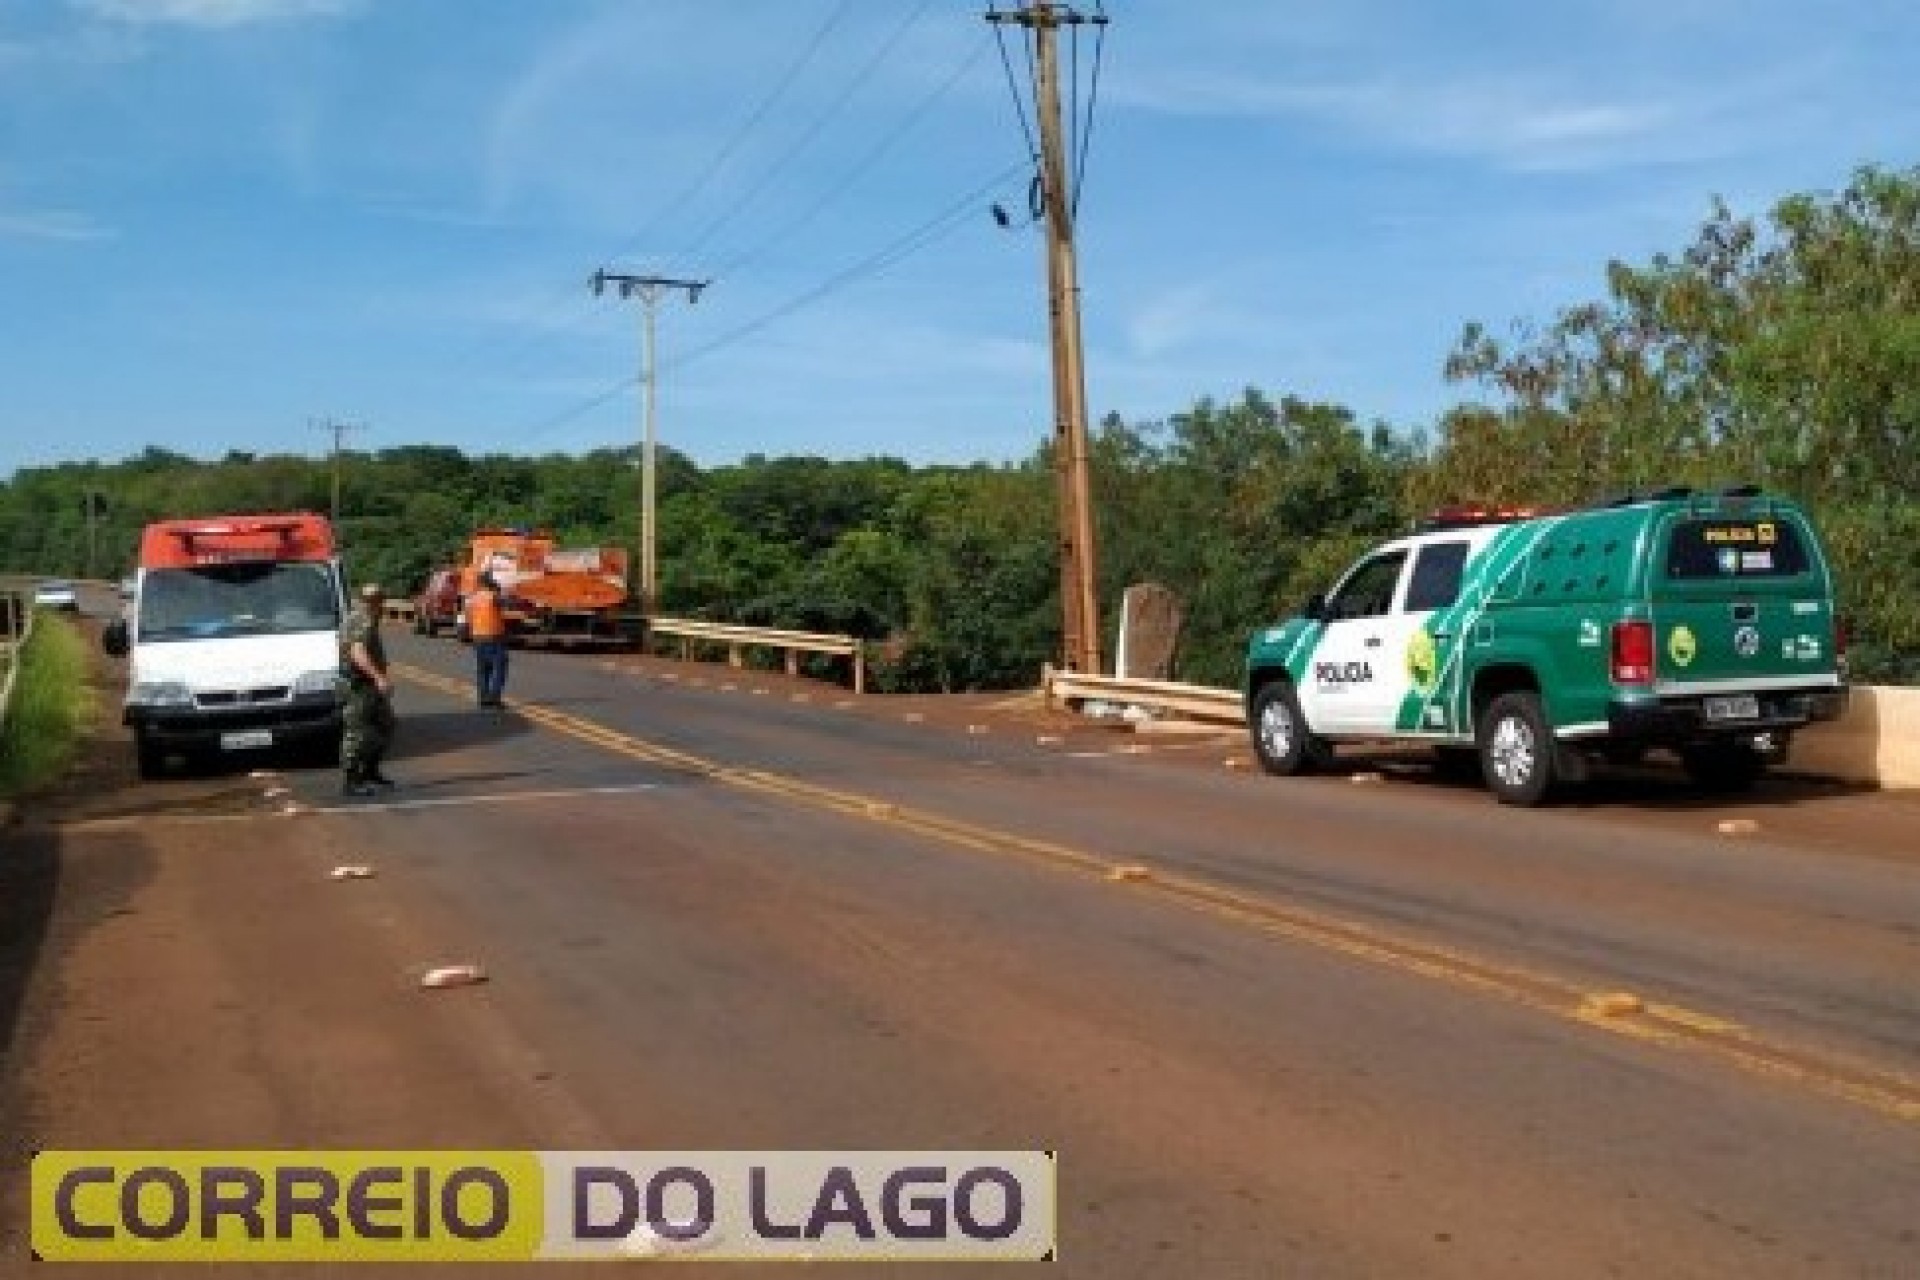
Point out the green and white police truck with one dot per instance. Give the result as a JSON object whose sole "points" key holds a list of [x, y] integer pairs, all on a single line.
{"points": [[1544, 642]]}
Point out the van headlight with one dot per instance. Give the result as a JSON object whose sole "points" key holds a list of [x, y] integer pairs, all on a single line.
{"points": [[312, 682], [159, 693]]}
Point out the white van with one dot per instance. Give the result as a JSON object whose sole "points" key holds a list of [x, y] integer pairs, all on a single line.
{"points": [[233, 638]]}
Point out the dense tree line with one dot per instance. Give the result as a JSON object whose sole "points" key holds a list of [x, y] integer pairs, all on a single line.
{"points": [[1786, 353]]}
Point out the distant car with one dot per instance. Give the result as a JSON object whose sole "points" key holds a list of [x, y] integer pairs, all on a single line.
{"points": [[128, 585], [438, 604], [55, 593]]}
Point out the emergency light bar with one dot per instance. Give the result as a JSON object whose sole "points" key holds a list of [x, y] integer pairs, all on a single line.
{"points": [[229, 540], [1468, 517]]}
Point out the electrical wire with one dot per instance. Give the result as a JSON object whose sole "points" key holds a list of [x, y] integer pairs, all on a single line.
{"points": [[1013, 85], [934, 229], [859, 169], [860, 80], [560, 299], [1093, 97], [740, 135], [902, 247]]}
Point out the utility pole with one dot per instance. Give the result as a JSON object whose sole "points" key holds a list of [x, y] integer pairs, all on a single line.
{"points": [[339, 430], [649, 289], [96, 505], [1078, 571]]}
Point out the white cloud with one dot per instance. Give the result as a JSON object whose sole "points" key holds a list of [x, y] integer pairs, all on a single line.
{"points": [[1514, 123], [212, 13], [50, 225]]}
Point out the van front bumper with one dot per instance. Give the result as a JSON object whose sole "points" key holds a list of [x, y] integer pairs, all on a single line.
{"points": [[1682, 719], [298, 721]]}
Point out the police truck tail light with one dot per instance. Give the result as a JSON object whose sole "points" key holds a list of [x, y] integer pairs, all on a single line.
{"points": [[1633, 652]]}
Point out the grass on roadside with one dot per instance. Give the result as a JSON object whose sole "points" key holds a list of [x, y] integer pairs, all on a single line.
{"points": [[51, 704]]}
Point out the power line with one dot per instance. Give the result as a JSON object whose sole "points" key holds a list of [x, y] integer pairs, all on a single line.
{"points": [[568, 294], [929, 232], [857, 171], [950, 218], [859, 81], [1019, 99], [740, 135]]}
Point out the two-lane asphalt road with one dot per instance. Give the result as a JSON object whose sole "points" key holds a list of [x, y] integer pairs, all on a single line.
{"points": [[1314, 1028]]}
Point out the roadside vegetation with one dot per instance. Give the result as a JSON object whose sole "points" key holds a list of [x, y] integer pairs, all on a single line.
{"points": [[1783, 351], [52, 701]]}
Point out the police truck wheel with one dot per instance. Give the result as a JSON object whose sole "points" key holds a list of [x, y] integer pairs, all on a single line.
{"points": [[1280, 735], [1516, 749]]}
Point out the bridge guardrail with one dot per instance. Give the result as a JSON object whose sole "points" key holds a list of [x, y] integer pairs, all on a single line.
{"points": [[794, 643], [1196, 701], [16, 628]]}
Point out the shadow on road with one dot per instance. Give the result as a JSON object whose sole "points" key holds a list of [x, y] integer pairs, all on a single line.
{"points": [[29, 884], [430, 733], [1656, 785]]}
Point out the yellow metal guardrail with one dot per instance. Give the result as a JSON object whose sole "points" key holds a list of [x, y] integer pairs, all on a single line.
{"points": [[1195, 701], [794, 643]]}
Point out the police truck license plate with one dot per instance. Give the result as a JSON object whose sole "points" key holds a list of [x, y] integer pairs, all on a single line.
{"points": [[1740, 707], [246, 740]]}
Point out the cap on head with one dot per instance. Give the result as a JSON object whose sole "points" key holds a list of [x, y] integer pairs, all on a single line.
{"points": [[372, 591]]}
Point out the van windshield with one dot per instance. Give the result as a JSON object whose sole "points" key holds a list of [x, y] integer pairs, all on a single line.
{"points": [[1733, 550], [237, 599]]}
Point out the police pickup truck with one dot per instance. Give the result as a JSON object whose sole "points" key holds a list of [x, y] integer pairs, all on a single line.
{"points": [[1540, 642]]}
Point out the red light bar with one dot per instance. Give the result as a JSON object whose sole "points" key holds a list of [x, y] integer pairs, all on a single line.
{"points": [[1463, 516], [228, 539]]}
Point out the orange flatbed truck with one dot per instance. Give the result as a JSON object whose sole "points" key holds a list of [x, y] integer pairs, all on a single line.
{"points": [[553, 594]]}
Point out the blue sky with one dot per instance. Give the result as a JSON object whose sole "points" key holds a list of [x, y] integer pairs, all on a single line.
{"points": [[224, 220]]}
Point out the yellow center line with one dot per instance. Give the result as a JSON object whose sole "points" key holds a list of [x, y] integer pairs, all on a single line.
{"points": [[1891, 1093]]}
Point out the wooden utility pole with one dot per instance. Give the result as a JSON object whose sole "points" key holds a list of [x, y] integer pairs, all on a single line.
{"points": [[1079, 600], [649, 289]]}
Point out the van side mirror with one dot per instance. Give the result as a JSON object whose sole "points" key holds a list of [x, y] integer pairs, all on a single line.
{"points": [[1315, 607], [113, 638]]}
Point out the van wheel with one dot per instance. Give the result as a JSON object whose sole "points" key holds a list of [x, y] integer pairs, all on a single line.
{"points": [[1723, 768], [1280, 735], [152, 760], [1517, 749]]}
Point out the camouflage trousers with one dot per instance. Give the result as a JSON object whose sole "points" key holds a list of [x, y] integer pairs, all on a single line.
{"points": [[367, 731]]}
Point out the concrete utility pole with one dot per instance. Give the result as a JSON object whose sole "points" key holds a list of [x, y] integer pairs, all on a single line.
{"points": [[339, 430], [649, 289], [1078, 571]]}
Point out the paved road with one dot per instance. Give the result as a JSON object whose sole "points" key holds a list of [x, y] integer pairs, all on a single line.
{"points": [[1326, 1028]]}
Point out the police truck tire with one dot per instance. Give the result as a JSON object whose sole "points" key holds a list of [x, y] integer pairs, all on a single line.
{"points": [[1280, 736], [1733, 767], [1517, 750]]}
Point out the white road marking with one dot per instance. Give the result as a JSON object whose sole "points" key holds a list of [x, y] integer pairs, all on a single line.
{"points": [[499, 797]]}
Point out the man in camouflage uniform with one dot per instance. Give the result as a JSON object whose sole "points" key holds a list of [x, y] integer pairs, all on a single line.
{"points": [[368, 710]]}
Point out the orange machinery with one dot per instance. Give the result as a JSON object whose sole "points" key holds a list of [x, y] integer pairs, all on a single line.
{"points": [[548, 591]]}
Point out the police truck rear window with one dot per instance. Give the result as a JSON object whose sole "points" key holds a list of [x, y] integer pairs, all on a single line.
{"points": [[1734, 549]]}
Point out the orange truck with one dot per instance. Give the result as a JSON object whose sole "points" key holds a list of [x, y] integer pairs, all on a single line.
{"points": [[551, 593]]}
